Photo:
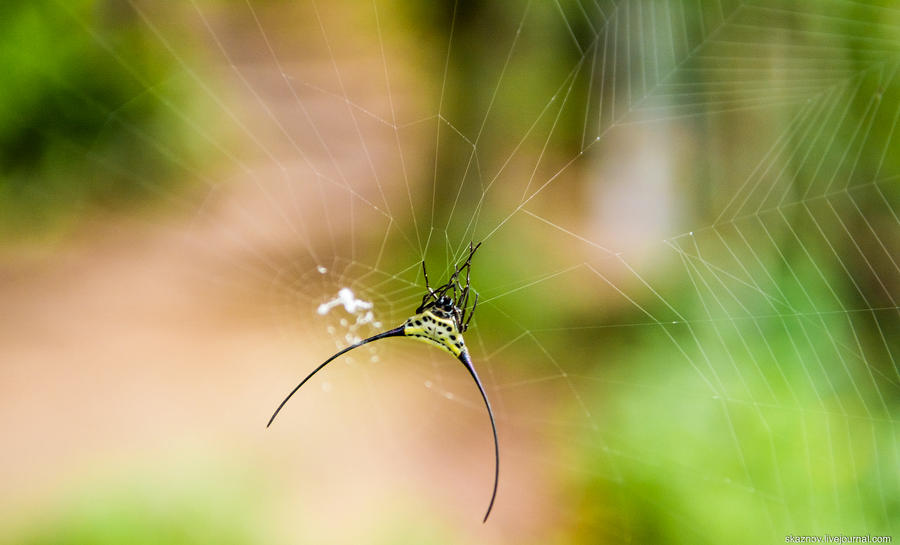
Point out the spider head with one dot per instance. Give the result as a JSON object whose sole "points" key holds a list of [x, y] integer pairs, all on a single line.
{"points": [[444, 303]]}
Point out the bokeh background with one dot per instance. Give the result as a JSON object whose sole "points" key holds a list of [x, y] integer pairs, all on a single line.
{"points": [[688, 319]]}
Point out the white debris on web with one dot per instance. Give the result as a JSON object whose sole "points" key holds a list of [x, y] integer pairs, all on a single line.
{"points": [[358, 308], [321, 269], [346, 299]]}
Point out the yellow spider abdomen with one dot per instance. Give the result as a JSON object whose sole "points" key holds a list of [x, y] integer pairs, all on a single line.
{"points": [[438, 330]]}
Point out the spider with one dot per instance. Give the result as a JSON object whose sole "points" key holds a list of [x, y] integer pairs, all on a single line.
{"points": [[440, 320]]}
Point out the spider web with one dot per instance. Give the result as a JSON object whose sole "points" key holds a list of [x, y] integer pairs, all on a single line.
{"points": [[687, 319]]}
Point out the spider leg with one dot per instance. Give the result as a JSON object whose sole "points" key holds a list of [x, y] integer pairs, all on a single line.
{"points": [[467, 361], [432, 294], [468, 262], [425, 273], [463, 303], [471, 312], [396, 332], [468, 274], [468, 266], [465, 294], [472, 249]]}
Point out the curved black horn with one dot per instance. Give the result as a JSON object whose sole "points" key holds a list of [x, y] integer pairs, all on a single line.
{"points": [[396, 332], [467, 361]]}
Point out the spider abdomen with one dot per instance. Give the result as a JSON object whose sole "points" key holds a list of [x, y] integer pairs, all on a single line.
{"points": [[438, 328]]}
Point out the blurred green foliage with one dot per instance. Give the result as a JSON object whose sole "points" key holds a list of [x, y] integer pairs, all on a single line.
{"points": [[685, 466], [129, 520], [142, 514], [90, 108]]}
